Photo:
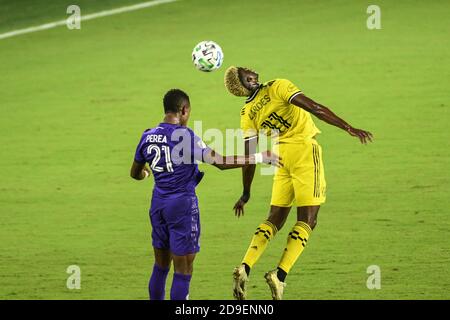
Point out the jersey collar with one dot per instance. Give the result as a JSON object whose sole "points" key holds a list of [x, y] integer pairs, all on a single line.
{"points": [[249, 99]]}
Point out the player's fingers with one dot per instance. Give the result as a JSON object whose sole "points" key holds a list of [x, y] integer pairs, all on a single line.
{"points": [[363, 139], [275, 156], [369, 136], [236, 209], [279, 164]]}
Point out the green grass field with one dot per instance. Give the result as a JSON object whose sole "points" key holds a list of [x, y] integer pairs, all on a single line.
{"points": [[74, 103]]}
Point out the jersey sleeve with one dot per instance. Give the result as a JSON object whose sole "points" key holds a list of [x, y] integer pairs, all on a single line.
{"points": [[248, 126], [286, 90], [199, 148]]}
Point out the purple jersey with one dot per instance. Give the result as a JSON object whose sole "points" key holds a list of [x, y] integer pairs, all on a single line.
{"points": [[172, 151]]}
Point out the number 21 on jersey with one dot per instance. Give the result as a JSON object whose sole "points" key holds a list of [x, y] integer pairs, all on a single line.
{"points": [[154, 165]]}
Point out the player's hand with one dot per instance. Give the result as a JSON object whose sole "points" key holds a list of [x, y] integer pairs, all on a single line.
{"points": [[272, 158], [146, 172], [239, 206], [363, 136]]}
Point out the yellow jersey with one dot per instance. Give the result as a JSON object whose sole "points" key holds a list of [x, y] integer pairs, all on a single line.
{"points": [[269, 108]]}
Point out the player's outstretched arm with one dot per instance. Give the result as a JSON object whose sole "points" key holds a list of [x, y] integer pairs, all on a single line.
{"points": [[231, 162], [325, 114], [138, 171]]}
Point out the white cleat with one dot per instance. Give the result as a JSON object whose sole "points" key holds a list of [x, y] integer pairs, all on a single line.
{"points": [[240, 280], [275, 285]]}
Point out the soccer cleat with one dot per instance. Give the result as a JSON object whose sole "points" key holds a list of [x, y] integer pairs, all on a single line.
{"points": [[240, 280], [275, 285]]}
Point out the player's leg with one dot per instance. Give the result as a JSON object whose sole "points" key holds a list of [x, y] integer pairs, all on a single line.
{"points": [[264, 233], [184, 225], [309, 185], [278, 216], [297, 239], [157, 283], [160, 241], [308, 215], [282, 198], [183, 267]]}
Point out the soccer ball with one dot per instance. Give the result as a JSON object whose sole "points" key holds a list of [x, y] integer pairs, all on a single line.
{"points": [[207, 56]]}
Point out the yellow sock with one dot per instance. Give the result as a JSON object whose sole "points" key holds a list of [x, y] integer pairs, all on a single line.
{"points": [[296, 242], [264, 233]]}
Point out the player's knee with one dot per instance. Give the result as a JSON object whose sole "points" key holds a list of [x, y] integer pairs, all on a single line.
{"points": [[184, 264], [312, 221], [308, 215], [184, 269], [278, 216], [279, 224]]}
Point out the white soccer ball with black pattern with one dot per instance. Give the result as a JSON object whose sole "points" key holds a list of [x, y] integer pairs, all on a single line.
{"points": [[207, 56]]}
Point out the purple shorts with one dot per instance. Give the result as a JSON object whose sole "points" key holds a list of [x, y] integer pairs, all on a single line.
{"points": [[176, 224]]}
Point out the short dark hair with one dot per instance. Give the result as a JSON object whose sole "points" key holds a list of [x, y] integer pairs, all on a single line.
{"points": [[173, 99]]}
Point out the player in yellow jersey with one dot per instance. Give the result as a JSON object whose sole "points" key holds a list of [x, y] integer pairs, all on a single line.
{"points": [[278, 106]]}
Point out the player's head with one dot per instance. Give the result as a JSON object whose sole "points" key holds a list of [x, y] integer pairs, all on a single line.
{"points": [[240, 81], [177, 102]]}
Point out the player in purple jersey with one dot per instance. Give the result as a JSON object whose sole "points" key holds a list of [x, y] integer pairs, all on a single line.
{"points": [[172, 150]]}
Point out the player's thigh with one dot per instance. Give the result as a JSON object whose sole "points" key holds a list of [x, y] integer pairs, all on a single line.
{"points": [[160, 230], [183, 219], [282, 189], [308, 177]]}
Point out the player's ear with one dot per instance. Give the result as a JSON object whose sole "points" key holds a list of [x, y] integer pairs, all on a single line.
{"points": [[185, 108]]}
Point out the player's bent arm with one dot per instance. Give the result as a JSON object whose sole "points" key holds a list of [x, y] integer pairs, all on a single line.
{"points": [[325, 114], [248, 172], [138, 171]]}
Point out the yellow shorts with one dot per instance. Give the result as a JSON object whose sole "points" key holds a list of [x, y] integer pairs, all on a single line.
{"points": [[302, 177]]}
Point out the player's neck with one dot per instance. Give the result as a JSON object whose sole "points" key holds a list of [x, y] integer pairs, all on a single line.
{"points": [[172, 119], [252, 91]]}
